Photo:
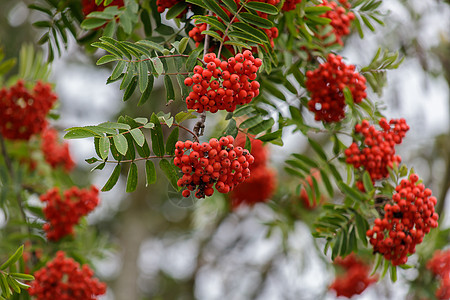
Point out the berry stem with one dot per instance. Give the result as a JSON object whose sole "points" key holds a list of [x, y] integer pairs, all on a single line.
{"points": [[195, 134], [228, 28]]}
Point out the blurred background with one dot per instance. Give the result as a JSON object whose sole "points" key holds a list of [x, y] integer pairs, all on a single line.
{"points": [[165, 247]]}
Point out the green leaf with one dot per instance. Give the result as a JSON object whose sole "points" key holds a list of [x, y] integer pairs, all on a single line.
{"points": [[318, 10], [262, 7], [176, 10], [22, 276], [103, 146], [327, 183], [91, 160], [151, 45], [367, 181], [394, 273], [148, 90], [362, 226], [106, 59], [257, 33], [213, 34], [4, 285], [192, 59], [170, 93], [142, 121], [263, 126], [90, 23], [182, 45], [13, 284], [112, 179], [115, 125], [271, 136], [118, 69], [231, 5], [80, 133], [158, 65], [171, 141], [256, 20], [138, 136], [215, 8], [132, 179], [11, 260], [245, 37], [250, 122], [121, 143], [150, 172], [130, 88], [318, 149], [243, 110], [351, 192], [170, 172], [231, 128], [184, 115], [157, 136], [143, 76], [272, 89], [212, 21]]}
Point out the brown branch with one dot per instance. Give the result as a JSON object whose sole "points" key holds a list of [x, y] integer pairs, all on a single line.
{"points": [[199, 127]]}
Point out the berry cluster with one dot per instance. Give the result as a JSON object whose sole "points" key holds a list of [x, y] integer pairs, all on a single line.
{"points": [[65, 212], [290, 4], [223, 84], [272, 33], [56, 154], [439, 264], [340, 19], [90, 6], [355, 279], [405, 222], [23, 112], [64, 279], [217, 162], [308, 204], [261, 185], [377, 151], [327, 84]]}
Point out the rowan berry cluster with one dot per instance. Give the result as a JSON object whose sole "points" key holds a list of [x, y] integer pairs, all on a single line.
{"points": [[90, 6], [439, 265], [272, 33], [223, 84], [261, 185], [23, 112], [376, 152], [405, 221], [307, 203], [56, 154], [355, 279], [340, 18], [64, 279], [290, 4], [326, 85], [64, 212], [217, 163]]}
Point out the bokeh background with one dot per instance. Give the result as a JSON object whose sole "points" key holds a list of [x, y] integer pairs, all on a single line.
{"points": [[164, 247]]}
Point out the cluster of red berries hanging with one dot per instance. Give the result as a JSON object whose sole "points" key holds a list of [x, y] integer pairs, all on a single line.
{"points": [[23, 112], [261, 185], [90, 6], [64, 279], [223, 84], [405, 222], [272, 33], [326, 85], [377, 150], [439, 265], [56, 154], [217, 163], [65, 212], [355, 279], [340, 19]]}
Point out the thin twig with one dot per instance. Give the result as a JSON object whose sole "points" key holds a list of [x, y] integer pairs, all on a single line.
{"points": [[139, 158], [206, 42], [194, 134], [228, 27]]}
